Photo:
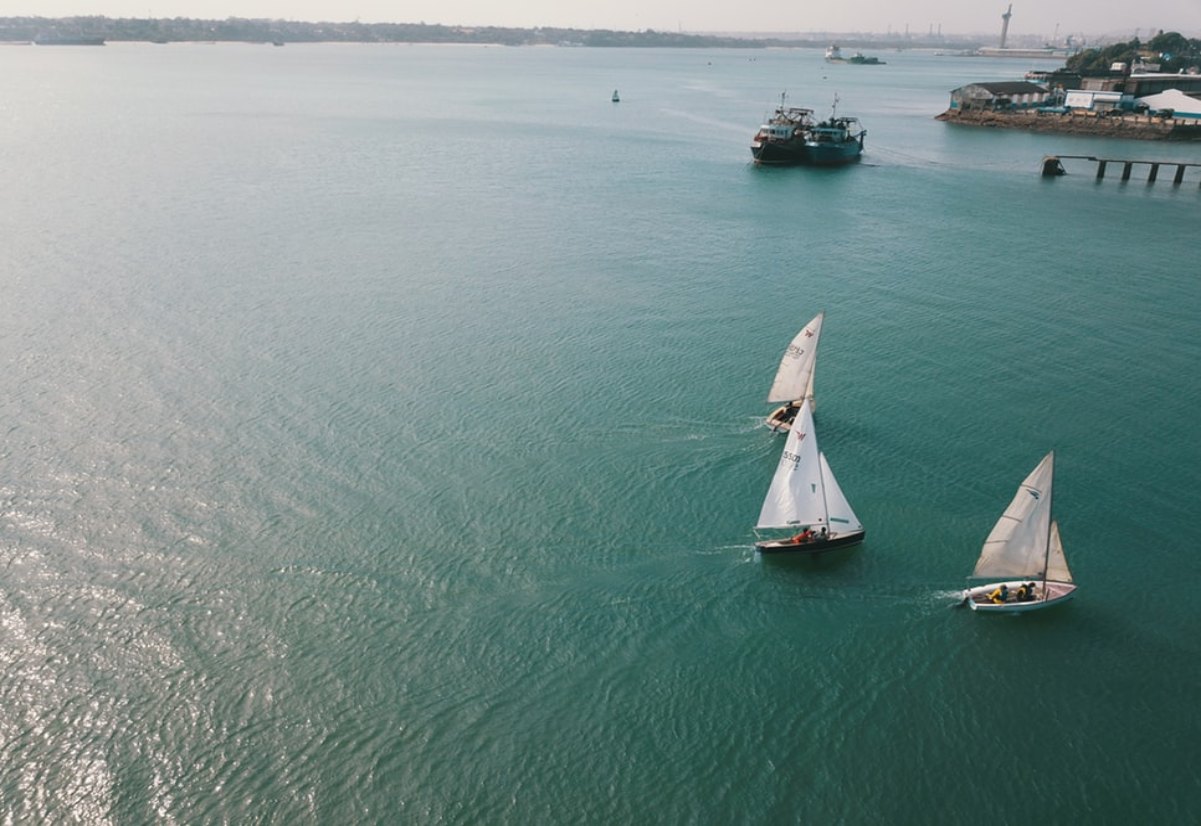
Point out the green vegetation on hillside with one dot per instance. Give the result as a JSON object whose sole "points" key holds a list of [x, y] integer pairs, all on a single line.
{"points": [[1173, 51]]}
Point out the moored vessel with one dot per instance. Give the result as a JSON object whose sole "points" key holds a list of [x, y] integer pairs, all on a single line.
{"points": [[860, 59]]}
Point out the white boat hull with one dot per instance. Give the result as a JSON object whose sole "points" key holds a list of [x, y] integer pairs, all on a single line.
{"points": [[1055, 593], [780, 420]]}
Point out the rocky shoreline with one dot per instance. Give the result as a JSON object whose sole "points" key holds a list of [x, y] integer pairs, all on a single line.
{"points": [[1142, 127]]}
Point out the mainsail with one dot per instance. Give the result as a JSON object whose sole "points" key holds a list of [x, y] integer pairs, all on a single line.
{"points": [[1021, 542], [794, 377], [797, 494]]}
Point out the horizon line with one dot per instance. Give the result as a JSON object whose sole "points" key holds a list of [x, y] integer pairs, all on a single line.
{"points": [[751, 34]]}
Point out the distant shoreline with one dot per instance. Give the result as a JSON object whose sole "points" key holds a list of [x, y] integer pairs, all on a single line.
{"points": [[154, 30], [1142, 127]]}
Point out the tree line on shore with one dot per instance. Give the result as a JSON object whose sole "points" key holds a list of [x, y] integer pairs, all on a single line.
{"points": [[1172, 51], [290, 31]]}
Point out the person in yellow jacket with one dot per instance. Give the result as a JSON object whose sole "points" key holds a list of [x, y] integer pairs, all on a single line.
{"points": [[1000, 594]]}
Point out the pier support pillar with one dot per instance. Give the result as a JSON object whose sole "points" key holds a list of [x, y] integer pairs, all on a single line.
{"points": [[1101, 169], [1153, 174], [1126, 170], [1052, 167]]}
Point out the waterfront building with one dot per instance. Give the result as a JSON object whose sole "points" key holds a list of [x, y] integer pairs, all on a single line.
{"points": [[1090, 100], [1174, 101], [1001, 96], [1142, 84]]}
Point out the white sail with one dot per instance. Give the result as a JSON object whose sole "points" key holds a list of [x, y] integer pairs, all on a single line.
{"points": [[842, 519], [1057, 563], [794, 377], [1017, 547], [796, 496]]}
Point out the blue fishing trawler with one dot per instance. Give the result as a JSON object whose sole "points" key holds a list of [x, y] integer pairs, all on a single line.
{"points": [[835, 141]]}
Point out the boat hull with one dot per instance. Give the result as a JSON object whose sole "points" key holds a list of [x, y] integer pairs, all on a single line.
{"points": [[813, 547], [779, 153], [780, 420], [833, 154], [1056, 593], [800, 153]]}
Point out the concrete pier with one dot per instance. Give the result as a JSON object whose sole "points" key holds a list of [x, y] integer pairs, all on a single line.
{"points": [[1053, 167]]}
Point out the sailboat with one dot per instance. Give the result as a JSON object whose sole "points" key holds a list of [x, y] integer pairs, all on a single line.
{"points": [[804, 498], [1024, 553], [616, 97], [794, 377]]}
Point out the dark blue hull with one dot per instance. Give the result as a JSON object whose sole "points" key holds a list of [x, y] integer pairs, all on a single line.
{"points": [[779, 153], [815, 546], [800, 153]]}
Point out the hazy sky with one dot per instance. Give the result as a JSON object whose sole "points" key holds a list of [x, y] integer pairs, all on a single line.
{"points": [[920, 16]]}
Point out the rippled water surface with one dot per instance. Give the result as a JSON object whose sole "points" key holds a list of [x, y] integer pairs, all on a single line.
{"points": [[382, 443]]}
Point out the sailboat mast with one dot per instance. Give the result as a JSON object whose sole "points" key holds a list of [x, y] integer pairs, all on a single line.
{"points": [[821, 478], [1050, 522], [809, 394]]}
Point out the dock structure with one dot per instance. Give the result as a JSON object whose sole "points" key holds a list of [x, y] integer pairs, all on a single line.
{"points": [[1053, 166]]}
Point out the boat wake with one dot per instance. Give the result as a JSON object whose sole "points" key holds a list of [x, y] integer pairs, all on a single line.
{"points": [[681, 115], [893, 157]]}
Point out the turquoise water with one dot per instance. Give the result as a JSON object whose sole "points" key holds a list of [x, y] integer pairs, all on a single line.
{"points": [[381, 444]]}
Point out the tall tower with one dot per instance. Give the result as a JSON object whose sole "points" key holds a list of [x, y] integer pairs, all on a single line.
{"points": [[1005, 24]]}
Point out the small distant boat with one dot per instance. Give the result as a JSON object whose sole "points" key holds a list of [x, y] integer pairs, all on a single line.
{"points": [[616, 97], [858, 59], [834, 54], [793, 383], [1024, 550], [781, 139], [804, 499], [835, 141]]}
